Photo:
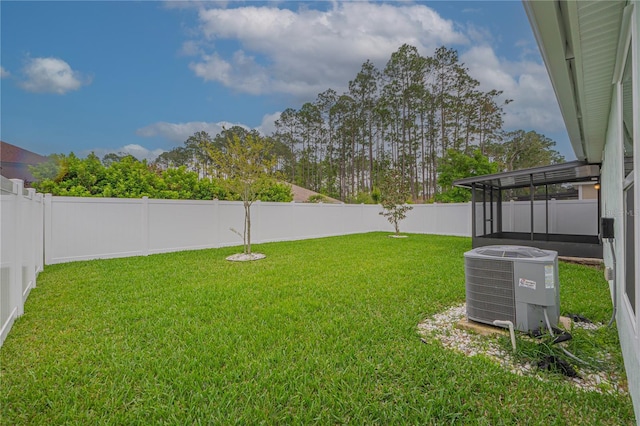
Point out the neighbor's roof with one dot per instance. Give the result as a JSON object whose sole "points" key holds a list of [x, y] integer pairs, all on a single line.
{"points": [[301, 195], [579, 42], [14, 162], [14, 154], [574, 171]]}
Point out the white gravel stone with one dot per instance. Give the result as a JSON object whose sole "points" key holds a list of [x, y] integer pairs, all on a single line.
{"points": [[442, 327], [243, 257]]}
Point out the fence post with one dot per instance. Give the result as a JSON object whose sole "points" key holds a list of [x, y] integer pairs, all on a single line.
{"points": [[145, 226], [40, 219], [256, 230], [48, 232], [294, 218], [512, 215], [16, 281], [216, 218], [33, 235], [39, 236], [553, 212]]}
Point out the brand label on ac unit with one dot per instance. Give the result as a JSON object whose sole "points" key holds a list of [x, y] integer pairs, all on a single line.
{"points": [[549, 277], [527, 283]]}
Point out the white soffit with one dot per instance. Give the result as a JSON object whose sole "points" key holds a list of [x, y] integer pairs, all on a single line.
{"points": [[595, 43], [578, 41]]}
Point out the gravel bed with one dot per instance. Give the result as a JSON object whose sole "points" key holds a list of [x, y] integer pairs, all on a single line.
{"points": [[442, 327]]}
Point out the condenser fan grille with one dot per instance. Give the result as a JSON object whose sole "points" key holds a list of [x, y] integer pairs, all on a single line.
{"points": [[490, 292], [515, 252]]}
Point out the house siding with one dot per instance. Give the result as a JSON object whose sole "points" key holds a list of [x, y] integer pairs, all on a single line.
{"points": [[612, 205]]}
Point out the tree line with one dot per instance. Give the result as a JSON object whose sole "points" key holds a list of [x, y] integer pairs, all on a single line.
{"points": [[424, 118], [405, 116], [124, 176], [409, 116]]}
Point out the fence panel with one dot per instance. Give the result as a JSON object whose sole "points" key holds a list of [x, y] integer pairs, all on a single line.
{"points": [[90, 228], [230, 221], [8, 231], [181, 226], [442, 219], [576, 217], [21, 248], [93, 228]]}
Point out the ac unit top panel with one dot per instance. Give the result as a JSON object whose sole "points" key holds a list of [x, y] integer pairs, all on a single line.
{"points": [[508, 252]]}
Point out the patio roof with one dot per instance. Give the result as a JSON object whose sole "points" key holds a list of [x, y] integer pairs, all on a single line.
{"points": [[574, 171]]}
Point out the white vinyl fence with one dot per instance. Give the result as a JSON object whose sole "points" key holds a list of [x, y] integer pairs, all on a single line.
{"points": [[573, 217], [92, 228], [21, 248], [38, 230]]}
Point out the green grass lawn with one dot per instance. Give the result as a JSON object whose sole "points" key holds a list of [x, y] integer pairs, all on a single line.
{"points": [[321, 331]]}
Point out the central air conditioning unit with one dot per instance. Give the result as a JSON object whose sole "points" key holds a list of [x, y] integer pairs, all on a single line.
{"points": [[512, 283]]}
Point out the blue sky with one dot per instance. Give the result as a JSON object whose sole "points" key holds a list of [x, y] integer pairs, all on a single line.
{"points": [[140, 77]]}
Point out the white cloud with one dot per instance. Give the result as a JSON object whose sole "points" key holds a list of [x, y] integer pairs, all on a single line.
{"points": [[4, 73], [190, 4], [138, 151], [51, 75], [524, 81], [306, 51], [191, 48], [268, 125], [180, 132], [479, 34]]}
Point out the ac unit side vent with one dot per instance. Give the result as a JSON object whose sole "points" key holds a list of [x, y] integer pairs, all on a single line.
{"points": [[489, 313], [491, 264], [489, 286], [501, 298]]}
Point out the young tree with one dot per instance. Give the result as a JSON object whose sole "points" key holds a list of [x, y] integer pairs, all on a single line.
{"points": [[393, 198], [248, 168]]}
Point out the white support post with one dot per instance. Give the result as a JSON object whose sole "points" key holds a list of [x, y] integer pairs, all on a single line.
{"points": [[48, 231], [31, 237], [553, 216], [256, 222], [145, 225], [216, 217], [512, 215], [39, 235], [16, 268]]}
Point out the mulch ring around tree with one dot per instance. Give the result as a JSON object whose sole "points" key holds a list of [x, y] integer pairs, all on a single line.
{"points": [[244, 257]]}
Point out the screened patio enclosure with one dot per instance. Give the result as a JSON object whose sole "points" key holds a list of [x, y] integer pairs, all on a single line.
{"points": [[531, 207]]}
